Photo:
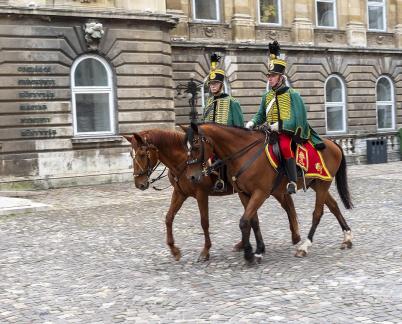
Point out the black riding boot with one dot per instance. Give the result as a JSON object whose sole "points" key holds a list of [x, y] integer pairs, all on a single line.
{"points": [[291, 171]]}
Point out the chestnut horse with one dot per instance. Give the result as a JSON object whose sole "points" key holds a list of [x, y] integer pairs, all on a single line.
{"points": [[150, 147], [241, 149]]}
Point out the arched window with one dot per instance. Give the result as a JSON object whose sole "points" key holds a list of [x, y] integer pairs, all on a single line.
{"points": [[335, 106], [92, 97], [385, 104]]}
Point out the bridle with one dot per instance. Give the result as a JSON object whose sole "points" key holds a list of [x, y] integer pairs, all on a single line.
{"points": [[149, 169], [200, 160]]}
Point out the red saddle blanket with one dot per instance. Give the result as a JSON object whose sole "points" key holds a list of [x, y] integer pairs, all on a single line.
{"points": [[307, 158]]}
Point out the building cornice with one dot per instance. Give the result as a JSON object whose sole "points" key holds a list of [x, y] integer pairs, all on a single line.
{"points": [[300, 48], [110, 13]]}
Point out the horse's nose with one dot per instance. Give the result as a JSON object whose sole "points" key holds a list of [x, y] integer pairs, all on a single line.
{"points": [[144, 186], [194, 178]]}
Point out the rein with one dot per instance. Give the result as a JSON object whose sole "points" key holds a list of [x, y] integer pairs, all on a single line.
{"points": [[238, 154]]}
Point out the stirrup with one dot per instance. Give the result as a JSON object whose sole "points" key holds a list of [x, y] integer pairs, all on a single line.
{"points": [[291, 187]]}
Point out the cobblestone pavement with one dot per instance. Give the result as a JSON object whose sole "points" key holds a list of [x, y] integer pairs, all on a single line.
{"points": [[99, 256]]}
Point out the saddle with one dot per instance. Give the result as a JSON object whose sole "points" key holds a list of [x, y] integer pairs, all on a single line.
{"points": [[308, 160]]}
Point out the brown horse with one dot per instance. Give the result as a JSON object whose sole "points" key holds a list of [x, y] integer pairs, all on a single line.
{"points": [[241, 149], [151, 146]]}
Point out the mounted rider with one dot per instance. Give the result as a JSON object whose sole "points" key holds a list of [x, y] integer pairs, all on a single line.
{"points": [[284, 111], [220, 107]]}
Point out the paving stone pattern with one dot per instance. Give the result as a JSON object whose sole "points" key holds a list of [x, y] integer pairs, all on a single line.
{"points": [[99, 256]]}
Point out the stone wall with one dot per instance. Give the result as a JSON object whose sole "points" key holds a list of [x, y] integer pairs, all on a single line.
{"points": [[36, 125]]}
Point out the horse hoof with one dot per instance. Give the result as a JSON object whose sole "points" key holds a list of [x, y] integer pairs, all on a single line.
{"points": [[250, 259], [203, 258], [300, 254], [296, 240], [258, 258], [176, 253], [238, 247], [347, 244]]}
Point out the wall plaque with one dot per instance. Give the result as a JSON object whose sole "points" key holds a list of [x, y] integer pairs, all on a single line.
{"points": [[40, 120], [36, 95], [38, 133], [34, 69], [39, 83], [32, 107]]}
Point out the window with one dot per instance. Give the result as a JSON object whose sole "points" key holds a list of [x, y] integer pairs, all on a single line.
{"points": [[92, 96], [206, 10], [269, 12], [385, 104], [376, 14], [326, 13], [335, 112]]}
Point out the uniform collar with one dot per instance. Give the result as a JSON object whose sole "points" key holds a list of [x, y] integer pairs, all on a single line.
{"points": [[220, 96]]}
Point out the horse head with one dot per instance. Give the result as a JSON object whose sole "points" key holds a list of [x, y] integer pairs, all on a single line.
{"points": [[199, 153], [145, 159]]}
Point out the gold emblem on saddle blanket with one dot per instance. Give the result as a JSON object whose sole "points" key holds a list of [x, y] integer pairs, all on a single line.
{"points": [[302, 157], [318, 167]]}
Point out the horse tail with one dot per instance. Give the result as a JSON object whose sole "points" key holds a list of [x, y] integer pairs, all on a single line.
{"points": [[341, 181]]}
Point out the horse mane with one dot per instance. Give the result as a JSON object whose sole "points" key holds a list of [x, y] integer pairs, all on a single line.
{"points": [[227, 126], [163, 138]]}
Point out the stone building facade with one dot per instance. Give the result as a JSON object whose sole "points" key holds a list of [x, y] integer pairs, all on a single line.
{"points": [[344, 57], [76, 74]]}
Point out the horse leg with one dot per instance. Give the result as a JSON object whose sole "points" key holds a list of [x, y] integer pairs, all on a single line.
{"points": [[347, 233], [320, 198], [287, 204], [202, 200], [255, 202], [176, 202], [255, 225]]}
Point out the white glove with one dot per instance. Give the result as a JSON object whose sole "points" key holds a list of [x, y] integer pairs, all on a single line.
{"points": [[274, 127], [250, 124]]}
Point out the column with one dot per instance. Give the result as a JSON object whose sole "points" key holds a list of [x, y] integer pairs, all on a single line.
{"points": [[398, 27], [243, 25], [355, 28], [175, 8], [302, 26]]}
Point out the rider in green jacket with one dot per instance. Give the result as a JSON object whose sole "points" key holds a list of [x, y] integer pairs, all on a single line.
{"points": [[220, 107]]}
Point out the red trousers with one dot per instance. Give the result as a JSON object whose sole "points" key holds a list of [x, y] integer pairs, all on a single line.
{"points": [[285, 142]]}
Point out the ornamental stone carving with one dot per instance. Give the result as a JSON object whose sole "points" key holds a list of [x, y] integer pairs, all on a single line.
{"points": [[212, 33], [380, 39], [333, 38], [282, 35], [93, 34]]}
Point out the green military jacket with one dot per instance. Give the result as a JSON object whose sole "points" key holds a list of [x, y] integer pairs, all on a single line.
{"points": [[223, 109], [291, 115]]}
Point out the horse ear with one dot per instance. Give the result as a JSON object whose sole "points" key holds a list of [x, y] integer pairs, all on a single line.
{"points": [[128, 138], [194, 127], [138, 139]]}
